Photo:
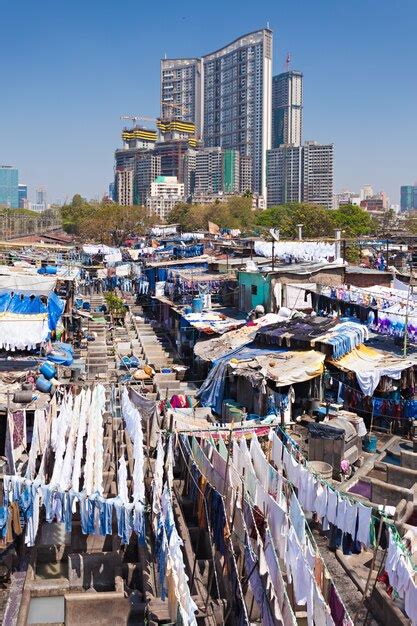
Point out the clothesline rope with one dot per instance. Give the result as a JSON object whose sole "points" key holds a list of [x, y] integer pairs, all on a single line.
{"points": [[347, 496]]}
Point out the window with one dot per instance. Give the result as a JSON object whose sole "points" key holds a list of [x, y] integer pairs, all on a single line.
{"points": [[254, 290]]}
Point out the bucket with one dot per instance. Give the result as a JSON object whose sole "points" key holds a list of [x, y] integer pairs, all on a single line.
{"points": [[320, 467], [75, 374], [188, 309], [27, 386], [48, 370], [197, 305], [370, 443], [22, 397], [43, 385]]}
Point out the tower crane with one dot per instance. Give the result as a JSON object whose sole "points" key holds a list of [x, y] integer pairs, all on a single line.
{"points": [[136, 118]]}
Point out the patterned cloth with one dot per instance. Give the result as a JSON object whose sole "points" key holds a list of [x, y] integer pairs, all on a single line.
{"points": [[19, 429]]}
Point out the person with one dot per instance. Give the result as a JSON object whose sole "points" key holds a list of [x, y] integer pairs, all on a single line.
{"points": [[256, 313]]}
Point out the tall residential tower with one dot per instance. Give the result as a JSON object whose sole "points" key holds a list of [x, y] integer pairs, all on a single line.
{"points": [[317, 174], [230, 91], [181, 95], [287, 109]]}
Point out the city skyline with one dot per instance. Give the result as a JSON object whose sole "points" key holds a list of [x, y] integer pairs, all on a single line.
{"points": [[76, 112]]}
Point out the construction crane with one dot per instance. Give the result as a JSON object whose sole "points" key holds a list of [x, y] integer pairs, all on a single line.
{"points": [[136, 118]]}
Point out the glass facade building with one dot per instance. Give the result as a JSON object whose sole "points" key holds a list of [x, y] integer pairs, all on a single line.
{"points": [[23, 196], [287, 109], [408, 197], [9, 187]]}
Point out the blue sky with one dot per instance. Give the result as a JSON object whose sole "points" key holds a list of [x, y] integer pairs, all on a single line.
{"points": [[70, 69]]}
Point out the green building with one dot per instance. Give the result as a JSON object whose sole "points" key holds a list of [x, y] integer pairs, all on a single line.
{"points": [[230, 171]]}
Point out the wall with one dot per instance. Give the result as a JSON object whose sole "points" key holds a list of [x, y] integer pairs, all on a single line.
{"points": [[97, 608], [328, 277], [368, 280], [248, 300]]}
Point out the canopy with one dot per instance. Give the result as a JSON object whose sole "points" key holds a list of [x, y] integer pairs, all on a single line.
{"points": [[30, 284], [215, 348], [112, 255], [370, 365], [210, 322], [284, 368]]}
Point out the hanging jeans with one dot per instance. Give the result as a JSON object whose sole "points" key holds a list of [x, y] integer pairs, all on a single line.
{"points": [[26, 502], [4, 516], [105, 515]]}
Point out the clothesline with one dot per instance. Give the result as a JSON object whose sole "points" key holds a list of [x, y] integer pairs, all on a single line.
{"points": [[238, 478], [345, 495]]}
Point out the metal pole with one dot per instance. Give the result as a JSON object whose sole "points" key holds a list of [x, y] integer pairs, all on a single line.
{"points": [[371, 569], [406, 317]]}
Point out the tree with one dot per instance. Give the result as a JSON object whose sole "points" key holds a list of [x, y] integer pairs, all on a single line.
{"points": [[316, 220], [104, 222], [73, 212], [353, 220], [235, 213], [113, 223], [180, 214]]}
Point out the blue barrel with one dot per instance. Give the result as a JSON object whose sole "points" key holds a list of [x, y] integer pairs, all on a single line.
{"points": [[370, 443], [51, 269], [48, 370], [43, 385], [197, 305], [86, 306]]}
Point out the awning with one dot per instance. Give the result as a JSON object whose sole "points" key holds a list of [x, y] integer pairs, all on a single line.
{"points": [[31, 284], [211, 323], [284, 368], [215, 348], [370, 365]]}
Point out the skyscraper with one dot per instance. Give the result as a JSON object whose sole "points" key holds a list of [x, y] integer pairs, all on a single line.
{"points": [[217, 171], [232, 87], [408, 197], [181, 94], [317, 174], [9, 186], [148, 167], [41, 196], [284, 175], [23, 196], [124, 186], [190, 163], [237, 99], [208, 172], [287, 109], [245, 174]]}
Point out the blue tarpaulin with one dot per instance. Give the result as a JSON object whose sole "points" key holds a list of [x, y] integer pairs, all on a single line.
{"points": [[211, 392], [33, 305]]}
